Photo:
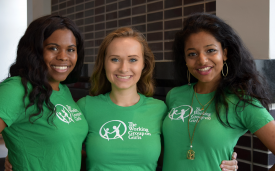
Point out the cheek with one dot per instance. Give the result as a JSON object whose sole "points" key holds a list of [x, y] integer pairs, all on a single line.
{"points": [[75, 59], [108, 70], [138, 68], [189, 63]]}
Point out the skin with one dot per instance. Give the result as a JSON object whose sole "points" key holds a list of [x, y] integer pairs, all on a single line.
{"points": [[58, 50], [267, 135], [202, 51], [123, 67]]}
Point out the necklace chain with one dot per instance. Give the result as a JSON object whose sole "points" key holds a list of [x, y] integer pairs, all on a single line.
{"points": [[191, 153], [200, 102]]}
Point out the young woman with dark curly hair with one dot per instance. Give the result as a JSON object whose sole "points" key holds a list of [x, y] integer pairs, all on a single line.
{"points": [[226, 97], [42, 126]]}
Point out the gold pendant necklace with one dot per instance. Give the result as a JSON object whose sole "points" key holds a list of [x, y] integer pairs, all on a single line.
{"points": [[200, 102], [191, 152]]}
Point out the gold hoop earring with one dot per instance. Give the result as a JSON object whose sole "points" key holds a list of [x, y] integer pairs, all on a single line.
{"points": [[224, 75], [188, 77]]}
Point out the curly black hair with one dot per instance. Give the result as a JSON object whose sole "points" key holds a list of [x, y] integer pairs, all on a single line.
{"points": [[30, 65], [243, 79]]}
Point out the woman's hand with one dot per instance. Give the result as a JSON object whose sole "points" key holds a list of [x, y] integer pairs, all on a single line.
{"points": [[8, 166], [231, 165]]}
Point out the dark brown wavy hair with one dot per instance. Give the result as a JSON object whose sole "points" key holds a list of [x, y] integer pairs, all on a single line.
{"points": [[99, 81], [30, 65], [243, 79]]}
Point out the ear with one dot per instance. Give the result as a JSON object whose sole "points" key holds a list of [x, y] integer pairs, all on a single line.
{"points": [[224, 54]]}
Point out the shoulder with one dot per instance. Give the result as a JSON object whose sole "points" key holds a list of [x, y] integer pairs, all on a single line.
{"points": [[233, 99], [179, 92], [155, 103], [12, 81], [91, 100], [180, 89], [12, 86]]}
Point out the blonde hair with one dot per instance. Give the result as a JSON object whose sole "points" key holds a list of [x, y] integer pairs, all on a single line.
{"points": [[99, 82]]}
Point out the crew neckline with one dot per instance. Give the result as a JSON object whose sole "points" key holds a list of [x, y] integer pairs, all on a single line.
{"points": [[107, 96], [202, 95]]}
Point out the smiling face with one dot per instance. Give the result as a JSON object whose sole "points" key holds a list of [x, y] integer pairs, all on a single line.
{"points": [[204, 57], [124, 63], [60, 55]]}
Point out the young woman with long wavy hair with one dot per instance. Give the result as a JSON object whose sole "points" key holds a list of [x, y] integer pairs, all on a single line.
{"points": [[43, 128], [225, 97]]}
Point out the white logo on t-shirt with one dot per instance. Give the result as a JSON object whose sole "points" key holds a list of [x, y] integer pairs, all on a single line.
{"points": [[67, 114], [136, 132], [113, 129], [197, 115], [183, 111], [180, 112]]}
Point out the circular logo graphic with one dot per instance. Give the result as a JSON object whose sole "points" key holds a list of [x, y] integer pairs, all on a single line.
{"points": [[113, 129], [63, 113], [180, 112]]}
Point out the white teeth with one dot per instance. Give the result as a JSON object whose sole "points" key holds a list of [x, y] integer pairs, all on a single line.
{"points": [[61, 67], [204, 69], [125, 77]]}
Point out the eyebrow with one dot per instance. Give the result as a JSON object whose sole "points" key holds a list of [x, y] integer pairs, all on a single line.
{"points": [[128, 56], [210, 45], [204, 46], [58, 45]]}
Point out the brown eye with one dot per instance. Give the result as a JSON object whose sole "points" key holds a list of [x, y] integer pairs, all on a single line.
{"points": [[53, 48], [191, 54], [211, 50], [71, 50]]}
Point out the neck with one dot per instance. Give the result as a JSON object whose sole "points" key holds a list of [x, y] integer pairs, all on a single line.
{"points": [[124, 97], [55, 85], [205, 88]]}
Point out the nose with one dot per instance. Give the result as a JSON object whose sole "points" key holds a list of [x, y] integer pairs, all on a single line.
{"points": [[62, 55], [202, 59], [123, 67]]}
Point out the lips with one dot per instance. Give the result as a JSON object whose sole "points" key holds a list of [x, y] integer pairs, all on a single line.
{"points": [[62, 68], [204, 69], [123, 77]]}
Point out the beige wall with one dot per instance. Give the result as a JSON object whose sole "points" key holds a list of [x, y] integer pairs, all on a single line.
{"points": [[252, 21], [38, 8]]}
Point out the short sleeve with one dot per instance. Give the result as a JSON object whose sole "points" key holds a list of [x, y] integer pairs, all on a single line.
{"points": [[11, 100], [255, 117], [81, 104]]}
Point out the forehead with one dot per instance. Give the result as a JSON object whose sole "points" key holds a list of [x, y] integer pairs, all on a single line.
{"points": [[61, 36], [124, 44], [201, 38]]}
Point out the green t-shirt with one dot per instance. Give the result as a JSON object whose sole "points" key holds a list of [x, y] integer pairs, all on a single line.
{"points": [[41, 146], [122, 138], [212, 141]]}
